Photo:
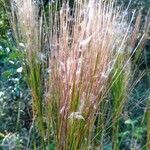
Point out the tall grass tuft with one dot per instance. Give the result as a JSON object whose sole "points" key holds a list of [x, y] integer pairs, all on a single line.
{"points": [[28, 30], [78, 64]]}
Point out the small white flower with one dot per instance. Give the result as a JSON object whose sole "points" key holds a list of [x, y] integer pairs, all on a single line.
{"points": [[76, 115], [11, 62], [19, 70], [16, 79], [8, 50], [22, 45], [129, 121]]}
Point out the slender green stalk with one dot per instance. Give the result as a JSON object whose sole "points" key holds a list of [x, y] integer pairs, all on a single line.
{"points": [[119, 92]]}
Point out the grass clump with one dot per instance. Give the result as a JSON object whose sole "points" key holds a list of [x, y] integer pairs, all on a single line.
{"points": [[78, 67]]}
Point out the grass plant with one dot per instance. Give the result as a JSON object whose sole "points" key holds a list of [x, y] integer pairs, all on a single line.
{"points": [[78, 67]]}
